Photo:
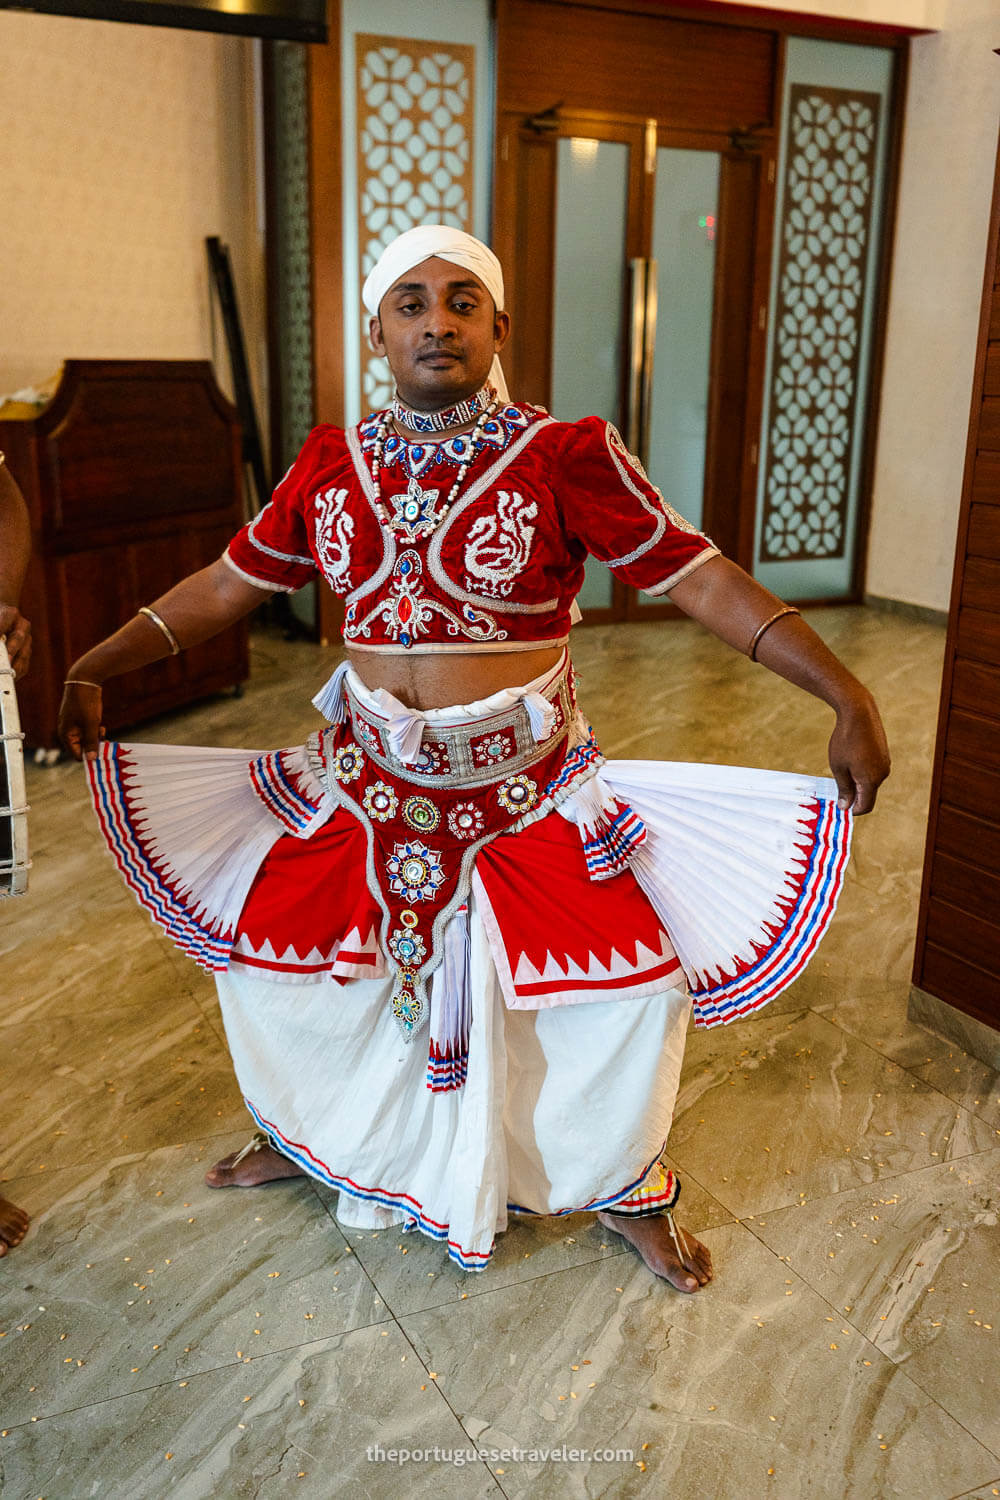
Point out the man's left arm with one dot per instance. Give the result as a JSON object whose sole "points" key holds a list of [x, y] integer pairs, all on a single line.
{"points": [[15, 549], [733, 606]]}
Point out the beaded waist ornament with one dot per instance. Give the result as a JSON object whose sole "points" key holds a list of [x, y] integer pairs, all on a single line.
{"points": [[425, 821]]}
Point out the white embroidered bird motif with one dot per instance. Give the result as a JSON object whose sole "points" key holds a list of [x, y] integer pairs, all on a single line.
{"points": [[498, 546], [334, 531]]}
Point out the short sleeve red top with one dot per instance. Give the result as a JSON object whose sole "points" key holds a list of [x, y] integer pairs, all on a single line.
{"points": [[502, 568]]}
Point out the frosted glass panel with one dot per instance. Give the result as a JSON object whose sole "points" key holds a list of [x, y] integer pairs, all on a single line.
{"points": [[588, 342], [685, 223], [685, 219], [831, 183]]}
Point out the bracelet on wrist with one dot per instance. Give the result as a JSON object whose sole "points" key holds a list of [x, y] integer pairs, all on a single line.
{"points": [[82, 682]]}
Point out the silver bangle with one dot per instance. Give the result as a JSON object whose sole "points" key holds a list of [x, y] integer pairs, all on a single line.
{"points": [[174, 643]]}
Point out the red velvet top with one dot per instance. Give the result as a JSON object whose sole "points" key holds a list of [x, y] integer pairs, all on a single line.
{"points": [[501, 569]]}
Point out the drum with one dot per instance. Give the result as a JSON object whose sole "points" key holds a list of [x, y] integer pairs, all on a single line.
{"points": [[14, 861]]}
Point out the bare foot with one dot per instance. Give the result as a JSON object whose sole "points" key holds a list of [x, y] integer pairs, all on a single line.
{"points": [[13, 1225], [686, 1263], [256, 1163]]}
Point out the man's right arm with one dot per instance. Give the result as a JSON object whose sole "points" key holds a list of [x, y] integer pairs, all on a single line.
{"points": [[197, 608]]}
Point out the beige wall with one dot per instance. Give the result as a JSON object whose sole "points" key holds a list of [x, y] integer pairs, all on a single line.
{"points": [[121, 147], [949, 154]]}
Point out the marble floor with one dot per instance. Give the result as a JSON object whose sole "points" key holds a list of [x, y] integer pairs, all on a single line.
{"points": [[841, 1163]]}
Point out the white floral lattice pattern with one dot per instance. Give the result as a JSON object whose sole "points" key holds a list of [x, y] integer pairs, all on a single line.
{"points": [[829, 183], [415, 139]]}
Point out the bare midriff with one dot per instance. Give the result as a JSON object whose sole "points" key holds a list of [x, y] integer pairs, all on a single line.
{"points": [[440, 681]]}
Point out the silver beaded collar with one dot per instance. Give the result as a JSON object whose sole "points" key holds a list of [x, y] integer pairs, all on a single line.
{"points": [[451, 416]]}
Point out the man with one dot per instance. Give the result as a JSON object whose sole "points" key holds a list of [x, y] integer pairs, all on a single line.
{"points": [[420, 866], [15, 549]]}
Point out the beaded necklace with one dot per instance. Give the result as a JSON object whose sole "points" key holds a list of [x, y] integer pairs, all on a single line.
{"points": [[450, 416], [416, 513]]}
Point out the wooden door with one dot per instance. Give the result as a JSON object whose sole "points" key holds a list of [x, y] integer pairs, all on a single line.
{"points": [[958, 939]]}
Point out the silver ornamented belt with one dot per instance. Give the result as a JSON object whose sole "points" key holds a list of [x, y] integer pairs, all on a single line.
{"points": [[471, 752]]}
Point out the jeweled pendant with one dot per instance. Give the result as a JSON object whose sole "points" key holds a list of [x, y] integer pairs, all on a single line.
{"points": [[416, 513]]}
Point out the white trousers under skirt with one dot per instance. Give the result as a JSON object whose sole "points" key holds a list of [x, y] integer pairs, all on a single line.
{"points": [[562, 1109]]}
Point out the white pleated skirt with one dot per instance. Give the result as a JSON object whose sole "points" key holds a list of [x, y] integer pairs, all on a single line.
{"points": [[562, 1109]]}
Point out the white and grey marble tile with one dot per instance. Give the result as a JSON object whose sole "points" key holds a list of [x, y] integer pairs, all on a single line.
{"points": [[412, 1271], [70, 972], [790, 1105], [302, 1421], [917, 1262], [129, 1079], [152, 1276], [743, 1389], [877, 1014]]}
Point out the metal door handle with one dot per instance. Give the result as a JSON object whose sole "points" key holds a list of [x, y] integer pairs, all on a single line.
{"points": [[649, 354], [637, 327]]}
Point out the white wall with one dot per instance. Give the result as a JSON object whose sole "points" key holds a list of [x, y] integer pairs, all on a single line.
{"points": [[121, 148], [949, 155]]}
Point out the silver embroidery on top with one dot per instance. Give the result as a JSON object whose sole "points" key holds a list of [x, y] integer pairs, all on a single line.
{"points": [[472, 494], [408, 612], [378, 578], [625, 461], [334, 531], [290, 557], [498, 546]]}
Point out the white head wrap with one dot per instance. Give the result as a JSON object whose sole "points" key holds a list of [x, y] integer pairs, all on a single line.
{"points": [[417, 245]]}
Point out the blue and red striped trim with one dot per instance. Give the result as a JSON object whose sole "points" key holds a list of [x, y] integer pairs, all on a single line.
{"points": [[208, 946], [579, 759], [644, 1202], [275, 787], [469, 1260], [598, 1203], [612, 846], [444, 1073], [807, 917]]}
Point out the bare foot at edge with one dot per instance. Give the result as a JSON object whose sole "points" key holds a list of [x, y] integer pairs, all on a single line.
{"points": [[252, 1167], [688, 1271], [13, 1225]]}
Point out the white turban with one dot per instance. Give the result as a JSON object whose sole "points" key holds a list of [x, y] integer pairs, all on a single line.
{"points": [[416, 245]]}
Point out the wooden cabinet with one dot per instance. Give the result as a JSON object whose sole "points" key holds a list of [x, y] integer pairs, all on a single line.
{"points": [[958, 940], [133, 478]]}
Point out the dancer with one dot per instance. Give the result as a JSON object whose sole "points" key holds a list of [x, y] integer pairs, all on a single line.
{"points": [[15, 549], [456, 951]]}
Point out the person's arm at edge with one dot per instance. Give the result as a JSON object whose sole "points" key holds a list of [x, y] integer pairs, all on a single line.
{"points": [[15, 550], [727, 601], [197, 608]]}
